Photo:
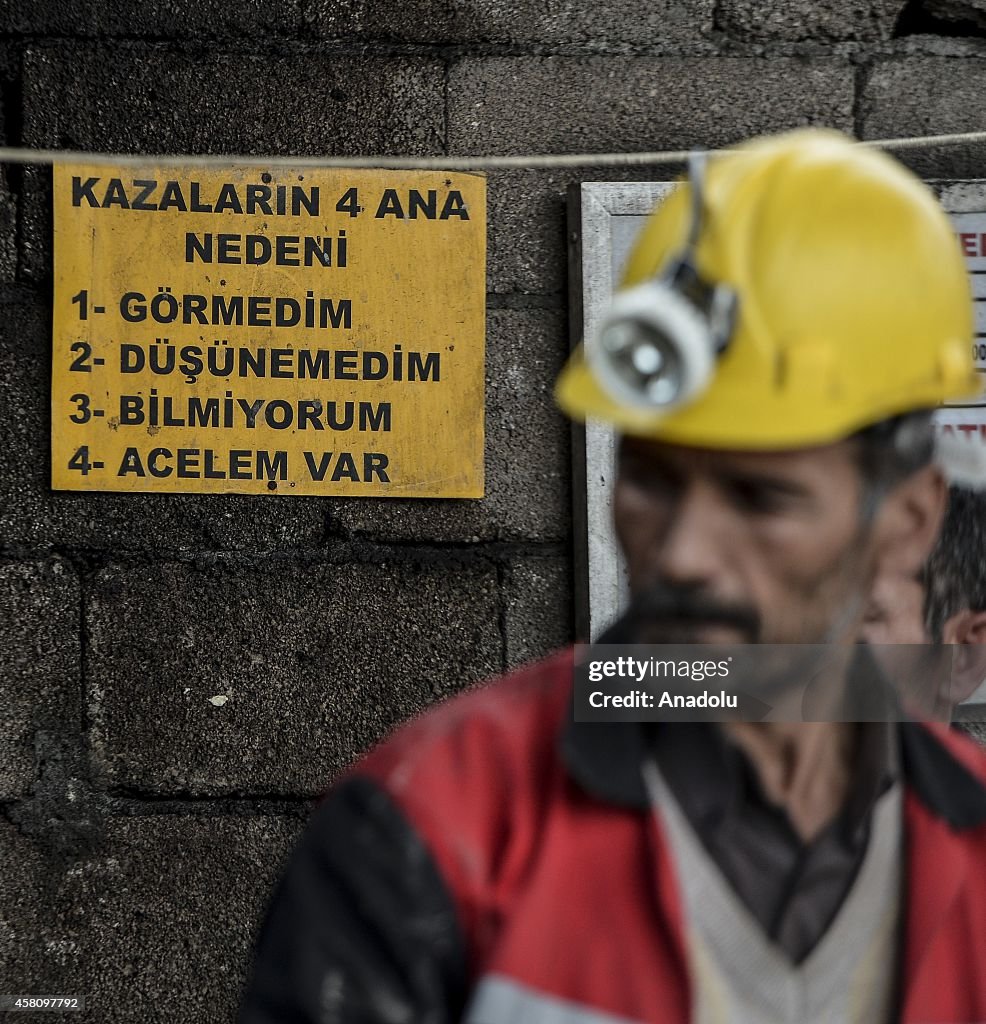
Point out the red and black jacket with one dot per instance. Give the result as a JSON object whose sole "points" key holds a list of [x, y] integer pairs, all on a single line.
{"points": [[496, 861]]}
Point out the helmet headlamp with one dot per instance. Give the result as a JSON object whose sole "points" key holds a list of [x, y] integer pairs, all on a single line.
{"points": [[658, 344]]}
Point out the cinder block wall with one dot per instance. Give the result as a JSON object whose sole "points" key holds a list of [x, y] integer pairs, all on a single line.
{"points": [[140, 825]]}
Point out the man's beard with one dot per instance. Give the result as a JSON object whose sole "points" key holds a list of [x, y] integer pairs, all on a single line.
{"points": [[666, 613]]}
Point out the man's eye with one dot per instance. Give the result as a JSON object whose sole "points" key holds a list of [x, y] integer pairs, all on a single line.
{"points": [[646, 477], [752, 497]]}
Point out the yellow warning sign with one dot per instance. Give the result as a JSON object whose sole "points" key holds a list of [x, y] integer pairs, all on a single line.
{"points": [[304, 332]]}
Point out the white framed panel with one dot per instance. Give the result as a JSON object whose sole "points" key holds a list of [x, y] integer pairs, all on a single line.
{"points": [[606, 217]]}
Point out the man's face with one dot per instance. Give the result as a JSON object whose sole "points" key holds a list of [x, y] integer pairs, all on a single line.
{"points": [[895, 614], [733, 547], [894, 625], [932, 676]]}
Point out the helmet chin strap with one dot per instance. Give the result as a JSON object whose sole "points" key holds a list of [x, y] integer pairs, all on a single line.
{"points": [[696, 177], [657, 347]]}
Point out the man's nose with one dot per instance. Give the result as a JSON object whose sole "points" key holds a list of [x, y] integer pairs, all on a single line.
{"points": [[691, 550]]}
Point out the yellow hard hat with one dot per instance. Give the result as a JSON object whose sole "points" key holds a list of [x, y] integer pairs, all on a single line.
{"points": [[850, 302]]}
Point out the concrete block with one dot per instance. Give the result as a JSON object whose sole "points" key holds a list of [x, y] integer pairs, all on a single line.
{"points": [[272, 678], [424, 21], [436, 21], [157, 924], [31, 948], [155, 19], [40, 668], [927, 96], [518, 21], [526, 222], [601, 104], [537, 608], [557, 21], [957, 10], [527, 248], [527, 450], [975, 730], [8, 233], [150, 99], [809, 19], [9, 71], [34, 515], [170, 913]]}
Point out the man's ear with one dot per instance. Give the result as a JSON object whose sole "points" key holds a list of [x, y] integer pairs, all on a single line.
{"points": [[967, 630], [965, 627], [908, 522]]}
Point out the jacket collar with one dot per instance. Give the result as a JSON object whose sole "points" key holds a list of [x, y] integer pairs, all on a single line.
{"points": [[605, 758], [940, 781]]}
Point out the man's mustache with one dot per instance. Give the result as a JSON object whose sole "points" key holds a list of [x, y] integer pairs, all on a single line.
{"points": [[667, 603]]}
